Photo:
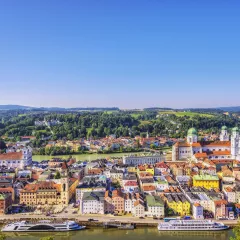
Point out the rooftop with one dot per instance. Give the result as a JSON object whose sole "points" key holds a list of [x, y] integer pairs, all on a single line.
{"points": [[154, 201], [205, 177]]}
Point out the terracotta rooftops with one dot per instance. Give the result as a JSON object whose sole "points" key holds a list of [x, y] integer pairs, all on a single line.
{"points": [[41, 186], [11, 156]]}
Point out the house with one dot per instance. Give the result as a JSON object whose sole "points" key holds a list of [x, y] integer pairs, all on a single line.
{"points": [[131, 186], [5, 202], [109, 207], [155, 206], [161, 183], [149, 189], [138, 209], [129, 177], [93, 203], [17, 160], [219, 209], [91, 184], [116, 175], [197, 211], [206, 181], [177, 204], [230, 194], [160, 168], [118, 201], [114, 201]]}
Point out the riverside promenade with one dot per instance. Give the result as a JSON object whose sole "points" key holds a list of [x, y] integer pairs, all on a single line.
{"points": [[99, 219]]}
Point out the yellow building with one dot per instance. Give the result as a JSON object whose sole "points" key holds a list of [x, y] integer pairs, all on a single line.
{"points": [[178, 203], [146, 168], [73, 183], [131, 169], [150, 169], [45, 193], [206, 181]]}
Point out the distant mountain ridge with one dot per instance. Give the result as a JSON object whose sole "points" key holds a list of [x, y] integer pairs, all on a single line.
{"points": [[230, 109], [20, 107], [13, 107]]}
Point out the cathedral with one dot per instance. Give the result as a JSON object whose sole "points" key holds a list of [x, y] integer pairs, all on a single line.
{"points": [[215, 150]]}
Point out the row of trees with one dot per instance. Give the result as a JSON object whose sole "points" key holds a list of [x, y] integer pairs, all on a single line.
{"points": [[100, 124]]}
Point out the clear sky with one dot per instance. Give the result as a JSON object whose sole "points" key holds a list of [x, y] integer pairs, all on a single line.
{"points": [[123, 53]]}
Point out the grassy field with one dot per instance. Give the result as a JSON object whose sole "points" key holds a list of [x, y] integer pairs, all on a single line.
{"points": [[190, 114], [135, 115], [110, 112], [144, 122]]}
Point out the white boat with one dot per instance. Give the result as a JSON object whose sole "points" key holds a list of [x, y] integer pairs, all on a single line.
{"points": [[191, 225], [42, 226]]}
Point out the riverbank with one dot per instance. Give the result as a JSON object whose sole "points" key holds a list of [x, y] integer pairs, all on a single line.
{"points": [[115, 234], [84, 157]]}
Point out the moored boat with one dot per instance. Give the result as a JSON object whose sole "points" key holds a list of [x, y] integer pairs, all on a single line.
{"points": [[42, 226], [191, 225]]}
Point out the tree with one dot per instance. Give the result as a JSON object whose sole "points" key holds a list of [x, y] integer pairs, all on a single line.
{"points": [[2, 145], [57, 175], [236, 232]]}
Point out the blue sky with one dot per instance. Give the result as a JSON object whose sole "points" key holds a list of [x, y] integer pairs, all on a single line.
{"points": [[125, 53]]}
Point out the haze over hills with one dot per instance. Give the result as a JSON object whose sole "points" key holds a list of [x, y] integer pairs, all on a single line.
{"points": [[21, 107]]}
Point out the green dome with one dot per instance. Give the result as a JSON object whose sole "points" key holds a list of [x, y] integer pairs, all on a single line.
{"points": [[224, 128], [235, 129], [192, 131]]}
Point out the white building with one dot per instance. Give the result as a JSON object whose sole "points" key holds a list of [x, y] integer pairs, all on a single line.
{"points": [[129, 201], [161, 183], [230, 194], [131, 186], [223, 149], [139, 160], [138, 209], [81, 189], [155, 206], [18, 160], [92, 203], [197, 211], [160, 168], [224, 136]]}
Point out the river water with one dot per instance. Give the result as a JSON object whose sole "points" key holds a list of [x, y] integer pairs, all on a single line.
{"points": [[82, 157], [114, 234]]}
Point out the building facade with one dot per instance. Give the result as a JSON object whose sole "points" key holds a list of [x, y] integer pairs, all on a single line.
{"points": [[18, 160], [139, 160], [223, 149]]}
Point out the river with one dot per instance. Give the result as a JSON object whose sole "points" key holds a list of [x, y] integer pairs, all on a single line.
{"points": [[114, 234], [82, 157]]}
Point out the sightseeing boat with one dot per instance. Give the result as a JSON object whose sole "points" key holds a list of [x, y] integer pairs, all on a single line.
{"points": [[191, 225]]}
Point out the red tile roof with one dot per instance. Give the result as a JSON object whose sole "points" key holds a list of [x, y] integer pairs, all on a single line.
{"points": [[131, 183], [11, 156]]}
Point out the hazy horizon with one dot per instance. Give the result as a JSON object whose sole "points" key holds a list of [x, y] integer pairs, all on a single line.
{"points": [[211, 107], [137, 54]]}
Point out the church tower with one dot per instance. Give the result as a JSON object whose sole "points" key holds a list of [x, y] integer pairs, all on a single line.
{"points": [[235, 142], [224, 136], [65, 184], [192, 136], [65, 190]]}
